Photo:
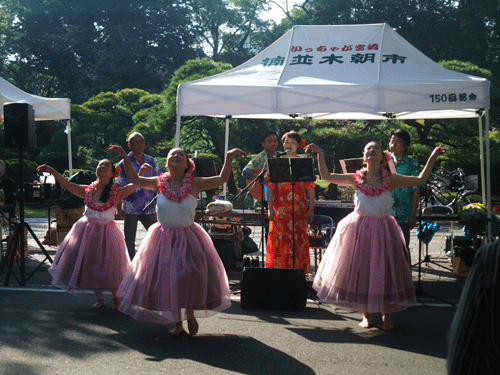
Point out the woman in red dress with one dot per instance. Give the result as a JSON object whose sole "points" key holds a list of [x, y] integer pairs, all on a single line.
{"points": [[283, 225]]}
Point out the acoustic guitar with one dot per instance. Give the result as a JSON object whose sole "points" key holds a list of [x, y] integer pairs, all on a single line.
{"points": [[256, 188]]}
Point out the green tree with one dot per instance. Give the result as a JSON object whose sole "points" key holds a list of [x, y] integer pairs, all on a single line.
{"points": [[226, 27], [109, 117], [87, 47]]}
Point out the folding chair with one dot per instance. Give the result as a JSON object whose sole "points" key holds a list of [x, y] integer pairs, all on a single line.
{"points": [[321, 231]]}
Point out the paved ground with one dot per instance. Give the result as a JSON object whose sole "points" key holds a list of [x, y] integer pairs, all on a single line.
{"points": [[45, 331]]}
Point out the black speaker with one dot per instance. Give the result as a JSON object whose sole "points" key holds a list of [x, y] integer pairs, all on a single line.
{"points": [[19, 125], [273, 289], [459, 241]]}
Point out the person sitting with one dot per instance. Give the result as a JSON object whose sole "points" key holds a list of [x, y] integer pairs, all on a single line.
{"points": [[9, 187]]}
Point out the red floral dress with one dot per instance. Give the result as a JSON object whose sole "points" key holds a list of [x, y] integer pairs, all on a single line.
{"points": [[279, 251]]}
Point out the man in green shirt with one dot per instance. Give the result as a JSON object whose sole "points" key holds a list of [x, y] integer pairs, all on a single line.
{"points": [[270, 143], [406, 200]]}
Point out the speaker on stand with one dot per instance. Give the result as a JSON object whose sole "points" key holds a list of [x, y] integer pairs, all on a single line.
{"points": [[19, 131], [19, 125]]}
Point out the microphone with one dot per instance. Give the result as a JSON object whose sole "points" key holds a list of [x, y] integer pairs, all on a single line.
{"points": [[280, 154]]}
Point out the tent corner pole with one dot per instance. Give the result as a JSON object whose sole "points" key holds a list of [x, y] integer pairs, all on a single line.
{"points": [[70, 153], [178, 131], [488, 173], [482, 159], [226, 149]]}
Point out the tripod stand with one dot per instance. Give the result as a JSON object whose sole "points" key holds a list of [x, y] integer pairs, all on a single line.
{"points": [[437, 210], [18, 241]]}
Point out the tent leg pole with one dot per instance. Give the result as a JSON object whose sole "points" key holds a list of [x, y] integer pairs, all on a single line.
{"points": [[70, 154], [226, 149], [488, 174], [178, 131], [482, 160]]}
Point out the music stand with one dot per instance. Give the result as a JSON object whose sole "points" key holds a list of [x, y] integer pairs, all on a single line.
{"points": [[291, 170], [205, 167]]}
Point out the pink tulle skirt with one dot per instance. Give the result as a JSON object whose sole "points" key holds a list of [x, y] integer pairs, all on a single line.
{"points": [[93, 256], [366, 266], [176, 275]]}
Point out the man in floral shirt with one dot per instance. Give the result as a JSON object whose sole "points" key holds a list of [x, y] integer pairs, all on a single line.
{"points": [[406, 199], [133, 206], [270, 143]]}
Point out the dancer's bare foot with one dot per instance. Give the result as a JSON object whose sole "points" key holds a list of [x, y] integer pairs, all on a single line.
{"points": [[177, 330], [388, 325], [366, 322], [99, 304], [192, 326], [117, 301]]}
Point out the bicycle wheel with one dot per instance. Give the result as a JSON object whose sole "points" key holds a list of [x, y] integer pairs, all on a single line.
{"points": [[472, 197], [443, 196]]}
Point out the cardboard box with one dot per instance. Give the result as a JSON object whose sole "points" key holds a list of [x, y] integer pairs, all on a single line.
{"points": [[61, 233], [459, 267], [66, 218]]}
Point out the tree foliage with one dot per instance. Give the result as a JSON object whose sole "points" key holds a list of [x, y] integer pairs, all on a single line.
{"points": [[109, 117], [86, 47], [226, 27]]}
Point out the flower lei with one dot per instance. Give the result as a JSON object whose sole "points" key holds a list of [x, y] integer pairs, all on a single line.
{"points": [[171, 194], [359, 178], [118, 171], [89, 191]]}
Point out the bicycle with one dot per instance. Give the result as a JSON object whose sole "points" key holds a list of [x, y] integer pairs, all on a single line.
{"points": [[449, 190]]}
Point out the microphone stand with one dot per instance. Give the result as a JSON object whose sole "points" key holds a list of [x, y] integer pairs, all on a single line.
{"points": [[262, 223]]}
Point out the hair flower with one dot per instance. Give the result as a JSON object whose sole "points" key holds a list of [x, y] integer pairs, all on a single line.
{"points": [[302, 143], [386, 158], [192, 166]]}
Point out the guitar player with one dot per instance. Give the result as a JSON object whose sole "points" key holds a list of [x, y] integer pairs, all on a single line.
{"points": [[254, 167]]}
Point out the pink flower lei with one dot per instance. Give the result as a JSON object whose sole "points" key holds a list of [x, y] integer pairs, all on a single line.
{"points": [[359, 178], [171, 194], [89, 191]]}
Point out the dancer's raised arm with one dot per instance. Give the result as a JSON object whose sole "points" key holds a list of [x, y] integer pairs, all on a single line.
{"points": [[207, 183], [76, 189], [334, 178], [408, 181]]}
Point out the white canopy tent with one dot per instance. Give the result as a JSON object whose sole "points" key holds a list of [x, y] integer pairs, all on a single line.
{"points": [[45, 108], [340, 72]]}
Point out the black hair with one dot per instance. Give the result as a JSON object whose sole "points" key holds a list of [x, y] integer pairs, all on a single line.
{"points": [[107, 189], [380, 142], [403, 134], [267, 134], [293, 134], [187, 157]]}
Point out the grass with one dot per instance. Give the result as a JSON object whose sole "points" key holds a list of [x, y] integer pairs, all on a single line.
{"points": [[38, 211]]}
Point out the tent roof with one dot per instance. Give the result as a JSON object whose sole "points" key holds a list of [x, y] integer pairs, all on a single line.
{"points": [[337, 72], [45, 108]]}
